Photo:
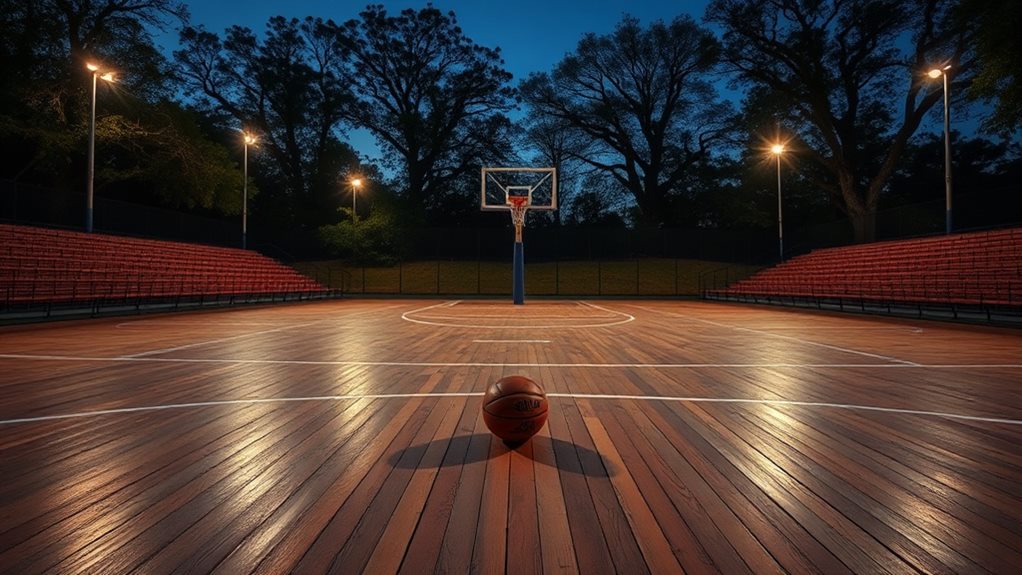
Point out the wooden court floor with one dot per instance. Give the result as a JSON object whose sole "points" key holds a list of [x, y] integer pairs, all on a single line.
{"points": [[346, 437]]}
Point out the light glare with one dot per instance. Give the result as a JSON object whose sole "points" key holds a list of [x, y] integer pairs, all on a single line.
{"points": [[777, 149], [935, 73]]}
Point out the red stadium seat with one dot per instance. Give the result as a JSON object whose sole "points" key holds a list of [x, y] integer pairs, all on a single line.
{"points": [[981, 268], [39, 265]]}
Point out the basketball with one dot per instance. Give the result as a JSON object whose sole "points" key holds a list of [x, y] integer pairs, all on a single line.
{"points": [[514, 409]]}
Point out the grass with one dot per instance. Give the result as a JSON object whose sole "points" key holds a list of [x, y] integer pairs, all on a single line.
{"points": [[640, 277]]}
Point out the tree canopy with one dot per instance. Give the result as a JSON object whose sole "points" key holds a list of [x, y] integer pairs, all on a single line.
{"points": [[644, 97], [998, 46], [151, 149], [434, 99], [846, 83], [288, 88]]}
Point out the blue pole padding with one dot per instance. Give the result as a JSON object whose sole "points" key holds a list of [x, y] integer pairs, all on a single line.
{"points": [[518, 291]]}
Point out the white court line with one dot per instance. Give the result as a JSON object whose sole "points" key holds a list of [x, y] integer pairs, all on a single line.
{"points": [[627, 318], [515, 317], [787, 337], [173, 323], [510, 341], [840, 328], [772, 402], [505, 364]]}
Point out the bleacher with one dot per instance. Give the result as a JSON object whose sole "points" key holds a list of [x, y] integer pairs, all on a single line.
{"points": [[979, 270], [46, 267]]}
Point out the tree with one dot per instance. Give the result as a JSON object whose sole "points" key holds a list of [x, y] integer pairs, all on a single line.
{"points": [[998, 46], [987, 179], [149, 147], [433, 98], [555, 144], [836, 68], [44, 46], [597, 203], [643, 97], [290, 90], [161, 154]]}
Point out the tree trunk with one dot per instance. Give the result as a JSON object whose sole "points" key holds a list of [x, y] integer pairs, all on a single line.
{"points": [[652, 204], [864, 226], [416, 184]]}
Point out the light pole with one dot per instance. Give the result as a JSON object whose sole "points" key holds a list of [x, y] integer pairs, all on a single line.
{"points": [[250, 140], [109, 77], [356, 184], [777, 150], [937, 73]]}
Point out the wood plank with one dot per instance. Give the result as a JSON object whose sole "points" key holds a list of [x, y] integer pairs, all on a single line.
{"points": [[940, 521], [425, 542], [836, 487], [456, 549], [679, 526], [833, 530], [622, 546], [554, 530], [656, 550], [308, 544], [224, 500], [489, 555], [524, 546], [360, 521], [748, 518], [300, 508], [738, 537], [254, 502], [587, 537], [390, 549]]}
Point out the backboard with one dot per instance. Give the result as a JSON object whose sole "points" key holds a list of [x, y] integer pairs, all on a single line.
{"points": [[538, 185]]}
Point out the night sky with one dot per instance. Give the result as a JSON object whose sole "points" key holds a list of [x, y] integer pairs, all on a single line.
{"points": [[533, 35]]}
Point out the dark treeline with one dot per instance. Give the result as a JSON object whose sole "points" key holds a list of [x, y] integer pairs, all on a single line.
{"points": [[633, 119]]}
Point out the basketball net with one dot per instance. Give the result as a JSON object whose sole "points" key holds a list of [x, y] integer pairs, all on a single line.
{"points": [[518, 206]]}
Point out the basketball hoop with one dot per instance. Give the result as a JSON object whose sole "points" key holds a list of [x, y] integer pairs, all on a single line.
{"points": [[518, 190], [518, 205]]}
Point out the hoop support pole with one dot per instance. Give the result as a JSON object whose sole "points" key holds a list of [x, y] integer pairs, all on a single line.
{"points": [[518, 289]]}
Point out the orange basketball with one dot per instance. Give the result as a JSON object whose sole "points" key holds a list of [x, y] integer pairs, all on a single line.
{"points": [[514, 409]]}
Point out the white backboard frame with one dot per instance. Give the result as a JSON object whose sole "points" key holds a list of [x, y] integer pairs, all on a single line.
{"points": [[491, 177]]}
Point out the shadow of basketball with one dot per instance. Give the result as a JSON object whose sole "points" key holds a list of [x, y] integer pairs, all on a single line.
{"points": [[466, 449]]}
